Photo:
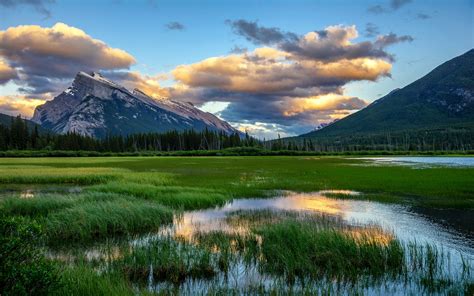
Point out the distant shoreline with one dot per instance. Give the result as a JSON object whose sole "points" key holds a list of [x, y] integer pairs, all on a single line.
{"points": [[226, 152]]}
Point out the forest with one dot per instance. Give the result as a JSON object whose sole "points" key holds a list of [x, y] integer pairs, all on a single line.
{"points": [[18, 135]]}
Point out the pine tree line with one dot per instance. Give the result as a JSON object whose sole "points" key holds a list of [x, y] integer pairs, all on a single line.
{"points": [[18, 136]]}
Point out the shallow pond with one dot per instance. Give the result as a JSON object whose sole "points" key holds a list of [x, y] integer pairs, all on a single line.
{"points": [[451, 231], [424, 160]]}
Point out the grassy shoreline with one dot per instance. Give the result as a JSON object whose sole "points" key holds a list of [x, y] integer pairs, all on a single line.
{"points": [[82, 201], [239, 151], [200, 182]]}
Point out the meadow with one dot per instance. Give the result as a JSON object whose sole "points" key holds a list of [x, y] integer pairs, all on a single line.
{"points": [[101, 225]]}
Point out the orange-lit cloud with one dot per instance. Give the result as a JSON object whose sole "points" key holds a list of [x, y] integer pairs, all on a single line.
{"points": [[43, 61], [6, 72], [44, 57], [293, 80], [67, 49], [15, 105], [270, 71], [150, 85], [289, 83], [329, 102]]}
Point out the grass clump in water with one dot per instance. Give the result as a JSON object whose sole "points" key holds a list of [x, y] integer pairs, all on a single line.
{"points": [[83, 280], [88, 221], [166, 260], [299, 250]]}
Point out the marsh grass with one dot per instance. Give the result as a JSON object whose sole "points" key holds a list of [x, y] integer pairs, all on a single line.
{"points": [[303, 245], [304, 249], [48, 175], [295, 253], [82, 280], [88, 221], [299, 250], [176, 197], [254, 176], [125, 197], [34, 207], [164, 259]]}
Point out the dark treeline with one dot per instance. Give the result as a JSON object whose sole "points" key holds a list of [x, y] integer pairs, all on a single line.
{"points": [[450, 139], [18, 136]]}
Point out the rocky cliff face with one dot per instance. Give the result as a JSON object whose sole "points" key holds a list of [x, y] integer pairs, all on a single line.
{"points": [[96, 107]]}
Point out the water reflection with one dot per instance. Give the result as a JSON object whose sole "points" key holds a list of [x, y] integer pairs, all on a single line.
{"points": [[36, 191], [367, 221], [26, 194], [427, 161], [405, 223]]}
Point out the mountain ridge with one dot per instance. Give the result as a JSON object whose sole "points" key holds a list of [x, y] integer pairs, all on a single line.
{"points": [[443, 97], [95, 106]]}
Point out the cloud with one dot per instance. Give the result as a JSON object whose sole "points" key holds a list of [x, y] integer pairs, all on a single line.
{"points": [[423, 16], [6, 72], [332, 43], [43, 61], [377, 9], [327, 102], [52, 54], [267, 71], [267, 118], [260, 35], [263, 130], [176, 26], [293, 82], [14, 105], [145, 83], [371, 30], [392, 38], [392, 6], [397, 4], [39, 5], [238, 49]]}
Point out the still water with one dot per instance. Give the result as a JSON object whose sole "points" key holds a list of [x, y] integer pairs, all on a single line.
{"points": [[425, 161], [449, 229]]}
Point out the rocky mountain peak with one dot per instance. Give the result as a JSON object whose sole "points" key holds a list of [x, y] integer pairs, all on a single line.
{"points": [[96, 106]]}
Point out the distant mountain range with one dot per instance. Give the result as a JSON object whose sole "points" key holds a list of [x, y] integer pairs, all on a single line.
{"points": [[436, 104], [443, 99], [96, 106]]}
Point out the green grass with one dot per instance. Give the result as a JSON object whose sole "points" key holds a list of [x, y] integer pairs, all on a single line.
{"points": [[125, 196], [34, 207], [253, 176], [83, 280], [88, 221], [47, 175], [164, 259], [176, 197], [298, 250]]}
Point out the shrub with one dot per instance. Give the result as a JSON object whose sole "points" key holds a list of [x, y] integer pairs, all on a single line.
{"points": [[23, 268]]}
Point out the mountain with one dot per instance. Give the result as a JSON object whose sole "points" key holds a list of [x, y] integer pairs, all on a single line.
{"points": [[443, 99], [96, 106]]}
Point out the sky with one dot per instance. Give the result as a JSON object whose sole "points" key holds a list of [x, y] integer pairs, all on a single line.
{"points": [[269, 67]]}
